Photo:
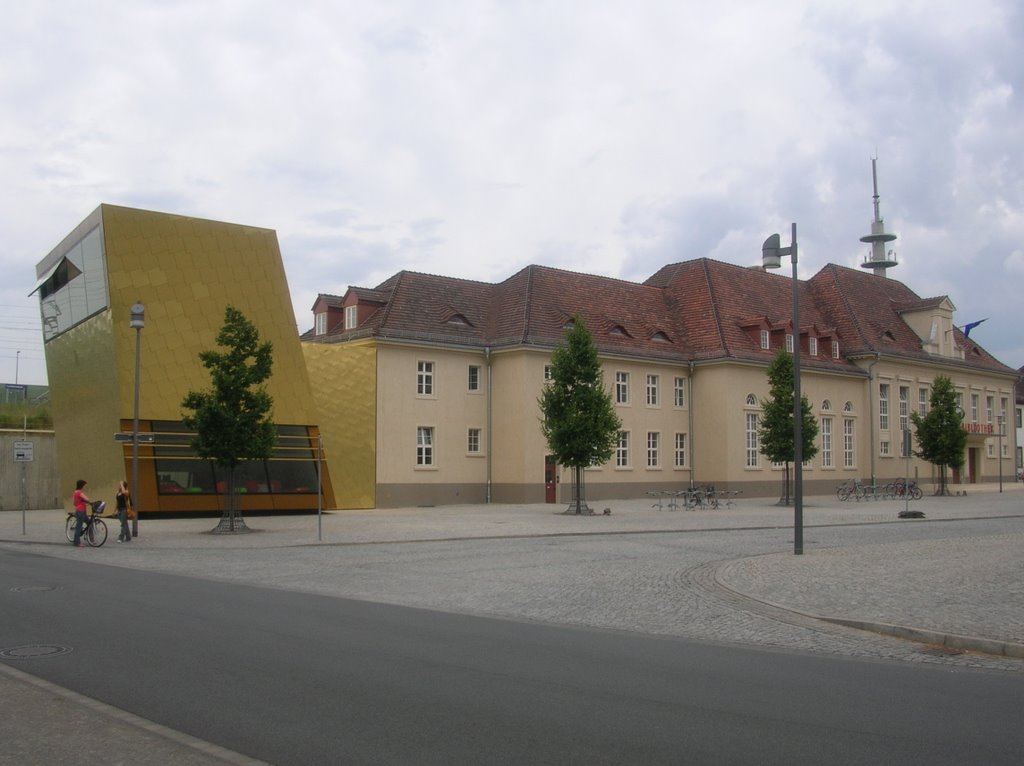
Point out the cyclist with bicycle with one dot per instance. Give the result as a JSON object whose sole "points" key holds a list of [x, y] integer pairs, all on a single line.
{"points": [[81, 503]]}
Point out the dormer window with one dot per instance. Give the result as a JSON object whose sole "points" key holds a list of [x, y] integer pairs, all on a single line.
{"points": [[789, 343], [661, 337], [618, 330], [351, 317], [320, 319], [458, 320], [812, 346], [835, 349], [765, 339]]}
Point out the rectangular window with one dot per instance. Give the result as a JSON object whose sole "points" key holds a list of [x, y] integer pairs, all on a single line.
{"points": [[1020, 417], [752, 446], [622, 450], [549, 372], [826, 442], [848, 445], [473, 381], [765, 341], [425, 378], [680, 450], [960, 400], [812, 347], [321, 323], [922, 401], [473, 441], [622, 388], [990, 448], [835, 349], [351, 315], [789, 348], [883, 407], [904, 414], [679, 392], [990, 405], [883, 448], [652, 390], [653, 449], [424, 445], [974, 408]]}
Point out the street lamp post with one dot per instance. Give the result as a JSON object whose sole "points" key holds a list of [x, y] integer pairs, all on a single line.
{"points": [[1002, 420], [771, 258], [137, 322], [17, 359]]}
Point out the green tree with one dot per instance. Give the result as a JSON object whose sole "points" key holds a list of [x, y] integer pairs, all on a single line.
{"points": [[775, 432], [232, 421], [580, 424], [940, 435]]}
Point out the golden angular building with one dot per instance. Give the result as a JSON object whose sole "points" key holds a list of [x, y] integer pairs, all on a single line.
{"points": [[185, 272]]}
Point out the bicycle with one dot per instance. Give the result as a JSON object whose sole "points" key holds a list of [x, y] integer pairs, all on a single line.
{"points": [[94, 530]]}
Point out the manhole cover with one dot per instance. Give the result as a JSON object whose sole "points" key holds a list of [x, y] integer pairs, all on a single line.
{"points": [[34, 651], [33, 588]]}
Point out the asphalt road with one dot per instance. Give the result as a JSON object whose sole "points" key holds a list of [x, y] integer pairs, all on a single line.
{"points": [[291, 677]]}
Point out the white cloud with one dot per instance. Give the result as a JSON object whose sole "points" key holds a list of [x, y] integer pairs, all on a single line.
{"points": [[473, 139]]}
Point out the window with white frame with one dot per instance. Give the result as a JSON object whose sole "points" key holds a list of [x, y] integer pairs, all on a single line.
{"points": [[835, 349], [960, 400], [652, 390], [990, 406], [826, 442], [473, 380], [812, 346], [679, 392], [883, 448], [990, 448], [789, 343], [849, 456], [622, 450], [321, 323], [922, 401], [425, 378], [424, 446], [653, 449], [752, 445], [473, 441], [680, 450], [883, 406], [351, 317], [974, 408], [622, 388], [549, 373], [765, 339]]}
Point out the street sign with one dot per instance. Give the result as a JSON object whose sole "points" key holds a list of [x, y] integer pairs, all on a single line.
{"points": [[23, 452], [143, 438]]}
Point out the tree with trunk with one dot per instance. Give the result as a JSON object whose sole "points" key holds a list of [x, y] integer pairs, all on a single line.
{"points": [[580, 424], [940, 435], [232, 421], [775, 433]]}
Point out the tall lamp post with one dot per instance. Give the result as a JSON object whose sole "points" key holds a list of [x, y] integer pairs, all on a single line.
{"points": [[1002, 421], [137, 322], [771, 258]]}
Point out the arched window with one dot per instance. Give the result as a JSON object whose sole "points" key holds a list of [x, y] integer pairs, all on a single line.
{"points": [[848, 407], [751, 400], [826, 406]]}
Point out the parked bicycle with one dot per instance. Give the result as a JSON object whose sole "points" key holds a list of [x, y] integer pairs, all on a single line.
{"points": [[901, 489], [94, 530]]}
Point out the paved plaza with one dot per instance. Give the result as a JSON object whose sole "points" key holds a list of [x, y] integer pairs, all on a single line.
{"points": [[866, 584]]}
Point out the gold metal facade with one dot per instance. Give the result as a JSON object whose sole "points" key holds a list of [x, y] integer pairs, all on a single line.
{"points": [[185, 271], [345, 396]]}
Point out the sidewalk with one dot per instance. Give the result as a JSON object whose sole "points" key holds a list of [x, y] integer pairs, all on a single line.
{"points": [[964, 593]]}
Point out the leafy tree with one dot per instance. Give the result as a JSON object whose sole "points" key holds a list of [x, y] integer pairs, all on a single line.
{"points": [[775, 433], [941, 438], [580, 424], [232, 421]]}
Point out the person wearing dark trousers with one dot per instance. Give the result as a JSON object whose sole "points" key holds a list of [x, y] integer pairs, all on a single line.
{"points": [[124, 503], [81, 502]]}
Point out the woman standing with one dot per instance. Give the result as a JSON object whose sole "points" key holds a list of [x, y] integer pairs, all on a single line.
{"points": [[81, 502], [124, 502]]}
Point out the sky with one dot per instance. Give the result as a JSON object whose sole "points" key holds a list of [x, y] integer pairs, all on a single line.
{"points": [[471, 139]]}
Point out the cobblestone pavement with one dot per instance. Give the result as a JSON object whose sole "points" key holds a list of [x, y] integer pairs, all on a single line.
{"points": [[727, 575]]}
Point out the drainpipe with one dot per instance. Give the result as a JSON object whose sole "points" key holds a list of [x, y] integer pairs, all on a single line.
{"points": [[487, 358], [871, 414], [689, 415]]}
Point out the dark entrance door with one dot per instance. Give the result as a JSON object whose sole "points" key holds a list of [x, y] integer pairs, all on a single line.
{"points": [[550, 479]]}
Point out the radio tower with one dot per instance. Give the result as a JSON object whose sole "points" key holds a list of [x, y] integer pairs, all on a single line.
{"points": [[879, 260]]}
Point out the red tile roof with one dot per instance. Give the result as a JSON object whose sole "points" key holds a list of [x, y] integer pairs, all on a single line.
{"points": [[691, 311]]}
